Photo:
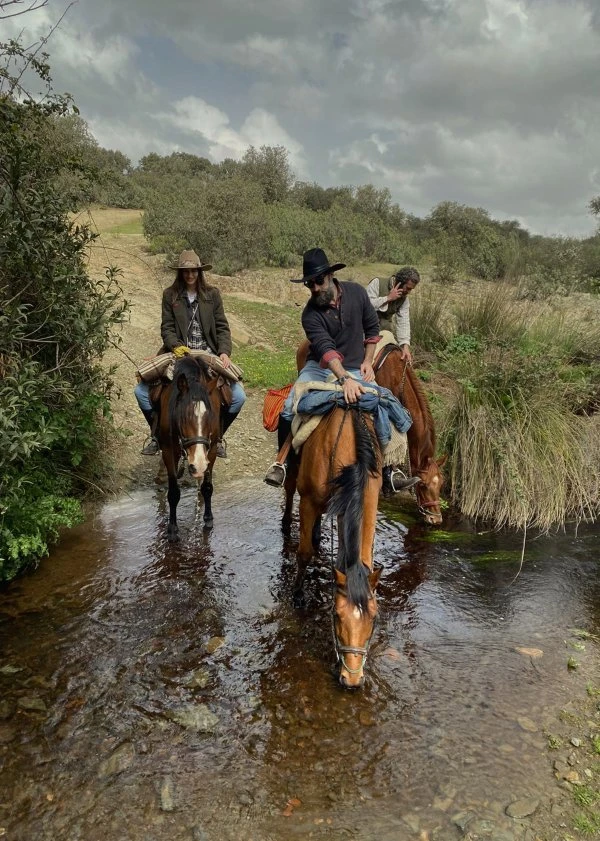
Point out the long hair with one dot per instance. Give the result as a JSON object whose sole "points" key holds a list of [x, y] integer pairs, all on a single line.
{"points": [[350, 486], [179, 285]]}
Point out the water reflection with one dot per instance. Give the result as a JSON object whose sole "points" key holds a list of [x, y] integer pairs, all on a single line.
{"points": [[121, 635]]}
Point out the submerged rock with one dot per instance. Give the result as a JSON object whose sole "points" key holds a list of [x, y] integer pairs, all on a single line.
{"points": [[118, 761], [196, 717], [522, 808]]}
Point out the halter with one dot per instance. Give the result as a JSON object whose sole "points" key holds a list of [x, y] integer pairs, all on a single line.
{"points": [[340, 650], [186, 443]]}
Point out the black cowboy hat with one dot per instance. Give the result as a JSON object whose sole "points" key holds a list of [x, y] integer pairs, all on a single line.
{"points": [[316, 263]]}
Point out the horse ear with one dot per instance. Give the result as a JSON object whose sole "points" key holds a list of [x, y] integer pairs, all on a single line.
{"points": [[182, 384], [374, 577], [340, 578], [442, 461]]}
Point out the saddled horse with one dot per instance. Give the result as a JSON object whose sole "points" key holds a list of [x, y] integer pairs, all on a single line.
{"points": [[339, 470], [393, 372], [189, 424]]}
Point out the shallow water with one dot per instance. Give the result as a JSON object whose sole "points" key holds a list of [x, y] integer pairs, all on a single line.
{"points": [[119, 634]]}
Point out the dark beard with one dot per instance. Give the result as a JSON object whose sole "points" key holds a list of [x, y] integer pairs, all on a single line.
{"points": [[323, 298]]}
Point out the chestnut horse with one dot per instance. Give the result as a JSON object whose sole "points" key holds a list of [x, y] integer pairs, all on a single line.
{"points": [[339, 470], [189, 424], [393, 372]]}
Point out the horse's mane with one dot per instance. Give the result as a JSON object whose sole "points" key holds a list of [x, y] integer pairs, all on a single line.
{"points": [[348, 500], [181, 403], [423, 404]]}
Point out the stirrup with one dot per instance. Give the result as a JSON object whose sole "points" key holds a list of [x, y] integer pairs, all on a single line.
{"points": [[399, 481], [152, 448], [276, 475]]}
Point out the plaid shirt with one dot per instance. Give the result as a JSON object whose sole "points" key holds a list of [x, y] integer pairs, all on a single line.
{"points": [[195, 336]]}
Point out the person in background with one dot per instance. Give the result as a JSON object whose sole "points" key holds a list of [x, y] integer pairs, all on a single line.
{"points": [[193, 318], [390, 300]]}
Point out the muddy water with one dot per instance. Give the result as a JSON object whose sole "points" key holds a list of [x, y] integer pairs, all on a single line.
{"points": [[151, 691]]}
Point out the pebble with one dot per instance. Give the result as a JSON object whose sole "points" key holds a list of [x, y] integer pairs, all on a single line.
{"points": [[214, 643], [32, 704], [118, 761], [527, 724], [196, 717], [522, 808], [575, 742], [166, 795]]}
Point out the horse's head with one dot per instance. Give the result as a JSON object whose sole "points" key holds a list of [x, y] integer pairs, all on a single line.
{"points": [[195, 413], [428, 490], [354, 613]]}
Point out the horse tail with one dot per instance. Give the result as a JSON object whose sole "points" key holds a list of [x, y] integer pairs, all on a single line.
{"points": [[349, 488]]}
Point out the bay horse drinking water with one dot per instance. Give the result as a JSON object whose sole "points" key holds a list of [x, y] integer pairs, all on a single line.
{"points": [[340, 470], [190, 425], [393, 372]]}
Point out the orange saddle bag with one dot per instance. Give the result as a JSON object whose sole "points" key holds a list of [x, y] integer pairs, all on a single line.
{"points": [[274, 400]]}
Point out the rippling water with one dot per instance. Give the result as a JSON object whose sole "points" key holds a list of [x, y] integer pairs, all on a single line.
{"points": [[119, 634]]}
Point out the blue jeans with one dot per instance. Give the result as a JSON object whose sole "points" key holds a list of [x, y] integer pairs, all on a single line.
{"points": [[311, 371], [238, 395]]}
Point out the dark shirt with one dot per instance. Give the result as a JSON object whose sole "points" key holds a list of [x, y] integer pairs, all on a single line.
{"points": [[341, 330]]}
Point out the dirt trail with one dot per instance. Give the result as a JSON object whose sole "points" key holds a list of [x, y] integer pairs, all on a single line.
{"points": [[143, 278]]}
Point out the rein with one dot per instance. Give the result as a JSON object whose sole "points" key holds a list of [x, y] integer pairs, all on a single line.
{"points": [[340, 650]]}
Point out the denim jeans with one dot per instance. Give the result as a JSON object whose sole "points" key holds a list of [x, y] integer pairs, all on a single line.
{"points": [[238, 395], [312, 371]]}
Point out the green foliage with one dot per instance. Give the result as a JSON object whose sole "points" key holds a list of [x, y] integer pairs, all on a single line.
{"points": [[55, 323], [272, 369], [428, 317]]}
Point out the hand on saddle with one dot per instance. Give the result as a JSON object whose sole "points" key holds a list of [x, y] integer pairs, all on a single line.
{"points": [[180, 351], [367, 372], [225, 360], [352, 390], [406, 354]]}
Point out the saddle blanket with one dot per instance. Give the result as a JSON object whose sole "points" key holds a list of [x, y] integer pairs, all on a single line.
{"points": [[312, 400], [163, 364]]}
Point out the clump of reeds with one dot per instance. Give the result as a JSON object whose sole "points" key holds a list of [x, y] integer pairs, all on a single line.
{"points": [[519, 456]]}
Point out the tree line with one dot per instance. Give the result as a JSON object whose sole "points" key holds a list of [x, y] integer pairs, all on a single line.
{"points": [[253, 211]]}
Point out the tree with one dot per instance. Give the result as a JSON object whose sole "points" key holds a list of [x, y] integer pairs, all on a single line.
{"points": [[269, 167]]}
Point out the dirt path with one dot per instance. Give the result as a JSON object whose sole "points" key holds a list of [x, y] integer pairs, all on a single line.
{"points": [[143, 278]]}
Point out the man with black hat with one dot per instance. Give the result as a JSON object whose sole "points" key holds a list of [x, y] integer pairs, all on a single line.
{"points": [[343, 330]]}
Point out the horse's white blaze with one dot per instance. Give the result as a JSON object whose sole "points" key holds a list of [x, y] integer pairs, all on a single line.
{"points": [[357, 612], [435, 480], [199, 459]]}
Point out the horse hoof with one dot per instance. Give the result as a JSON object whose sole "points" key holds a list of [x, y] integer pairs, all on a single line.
{"points": [[173, 536]]}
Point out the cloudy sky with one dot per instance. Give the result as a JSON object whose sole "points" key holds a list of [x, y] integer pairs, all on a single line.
{"points": [[491, 103]]}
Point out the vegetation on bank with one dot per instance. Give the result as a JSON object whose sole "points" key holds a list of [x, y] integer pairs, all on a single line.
{"points": [[55, 324]]}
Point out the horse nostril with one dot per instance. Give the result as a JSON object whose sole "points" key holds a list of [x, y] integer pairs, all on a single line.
{"points": [[192, 469]]}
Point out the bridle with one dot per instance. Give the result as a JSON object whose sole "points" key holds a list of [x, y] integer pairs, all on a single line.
{"points": [[340, 650], [186, 443]]}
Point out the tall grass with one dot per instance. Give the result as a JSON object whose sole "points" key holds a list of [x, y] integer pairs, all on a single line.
{"points": [[519, 457], [492, 314], [430, 328]]}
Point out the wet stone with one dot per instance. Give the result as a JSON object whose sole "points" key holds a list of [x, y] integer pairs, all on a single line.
{"points": [[7, 709], [480, 827], [461, 819], [32, 704], [196, 717], [7, 733], [527, 724], [9, 669], [214, 644], [522, 808], [167, 803], [118, 761], [198, 679]]}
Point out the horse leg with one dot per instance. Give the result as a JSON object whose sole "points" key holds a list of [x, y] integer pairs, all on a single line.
{"points": [[290, 490], [173, 495], [370, 500], [206, 489], [309, 514], [316, 534]]}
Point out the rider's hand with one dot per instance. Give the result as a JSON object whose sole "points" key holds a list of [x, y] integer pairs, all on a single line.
{"points": [[406, 354], [352, 390], [180, 351], [225, 360], [367, 372]]}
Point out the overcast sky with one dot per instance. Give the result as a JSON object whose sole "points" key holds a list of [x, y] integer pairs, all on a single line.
{"points": [[491, 103]]}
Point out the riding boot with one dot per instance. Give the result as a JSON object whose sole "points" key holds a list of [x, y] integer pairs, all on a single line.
{"points": [[152, 447], [399, 481], [277, 471], [226, 420]]}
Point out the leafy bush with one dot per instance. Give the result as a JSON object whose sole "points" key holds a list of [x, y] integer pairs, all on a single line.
{"points": [[55, 323]]}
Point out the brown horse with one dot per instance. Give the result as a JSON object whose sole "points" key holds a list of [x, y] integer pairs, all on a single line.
{"points": [[190, 424], [340, 471], [392, 372]]}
